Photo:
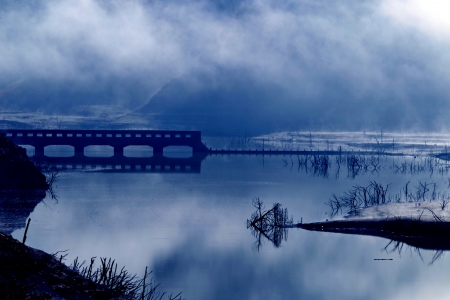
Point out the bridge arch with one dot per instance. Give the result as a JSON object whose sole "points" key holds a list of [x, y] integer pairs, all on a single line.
{"points": [[178, 151], [58, 151], [138, 151], [98, 151]]}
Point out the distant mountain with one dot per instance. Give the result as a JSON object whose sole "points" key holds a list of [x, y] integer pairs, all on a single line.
{"points": [[65, 96], [226, 106], [234, 103]]}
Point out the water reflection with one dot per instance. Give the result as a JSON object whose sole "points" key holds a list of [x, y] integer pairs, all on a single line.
{"points": [[315, 165], [271, 224], [189, 229], [432, 233], [16, 206], [154, 164], [321, 165], [401, 233], [439, 247]]}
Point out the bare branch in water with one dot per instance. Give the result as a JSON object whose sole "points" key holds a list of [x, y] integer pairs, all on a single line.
{"points": [[272, 224]]}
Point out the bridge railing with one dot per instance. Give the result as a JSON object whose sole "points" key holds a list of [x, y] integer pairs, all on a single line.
{"points": [[34, 133], [118, 139]]}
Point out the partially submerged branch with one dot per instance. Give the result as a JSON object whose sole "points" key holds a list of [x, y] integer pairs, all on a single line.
{"points": [[432, 232], [271, 224]]}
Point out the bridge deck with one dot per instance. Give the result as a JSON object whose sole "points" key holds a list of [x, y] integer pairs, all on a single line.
{"points": [[118, 139]]}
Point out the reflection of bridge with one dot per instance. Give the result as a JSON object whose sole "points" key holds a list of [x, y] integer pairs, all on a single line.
{"points": [[118, 139], [156, 164]]}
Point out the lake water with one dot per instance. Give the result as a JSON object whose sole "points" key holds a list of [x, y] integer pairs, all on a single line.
{"points": [[190, 229]]}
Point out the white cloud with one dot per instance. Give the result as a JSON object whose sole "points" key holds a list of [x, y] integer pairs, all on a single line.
{"points": [[164, 40], [430, 16], [373, 50]]}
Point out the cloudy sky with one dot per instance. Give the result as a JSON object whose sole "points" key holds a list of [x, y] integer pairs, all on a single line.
{"points": [[300, 65]]}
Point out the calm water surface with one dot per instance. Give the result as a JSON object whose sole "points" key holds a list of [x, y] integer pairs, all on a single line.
{"points": [[190, 229]]}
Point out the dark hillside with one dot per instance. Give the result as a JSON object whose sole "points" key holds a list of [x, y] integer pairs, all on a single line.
{"points": [[17, 172]]}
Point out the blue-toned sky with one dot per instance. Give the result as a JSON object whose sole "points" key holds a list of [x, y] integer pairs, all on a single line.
{"points": [[267, 64]]}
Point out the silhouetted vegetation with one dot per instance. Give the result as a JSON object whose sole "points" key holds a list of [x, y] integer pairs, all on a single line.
{"points": [[120, 282], [359, 197], [51, 175], [415, 232], [375, 193], [28, 273], [240, 142], [359, 165], [417, 245], [270, 223]]}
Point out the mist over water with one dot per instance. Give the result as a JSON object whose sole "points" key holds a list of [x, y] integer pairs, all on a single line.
{"points": [[365, 81], [190, 229]]}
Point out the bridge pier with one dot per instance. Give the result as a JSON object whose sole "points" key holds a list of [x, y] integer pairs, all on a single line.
{"points": [[79, 150], [157, 150], [38, 150], [118, 151]]}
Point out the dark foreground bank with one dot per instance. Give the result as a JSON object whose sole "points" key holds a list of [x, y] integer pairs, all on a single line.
{"points": [[28, 273], [17, 172]]}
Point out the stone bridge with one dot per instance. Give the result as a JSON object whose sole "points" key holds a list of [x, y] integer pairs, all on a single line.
{"points": [[122, 164], [118, 139]]}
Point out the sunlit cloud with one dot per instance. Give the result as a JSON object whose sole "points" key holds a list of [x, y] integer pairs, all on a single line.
{"points": [[428, 15]]}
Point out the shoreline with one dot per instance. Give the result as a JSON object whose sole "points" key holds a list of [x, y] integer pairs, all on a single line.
{"points": [[29, 273]]}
